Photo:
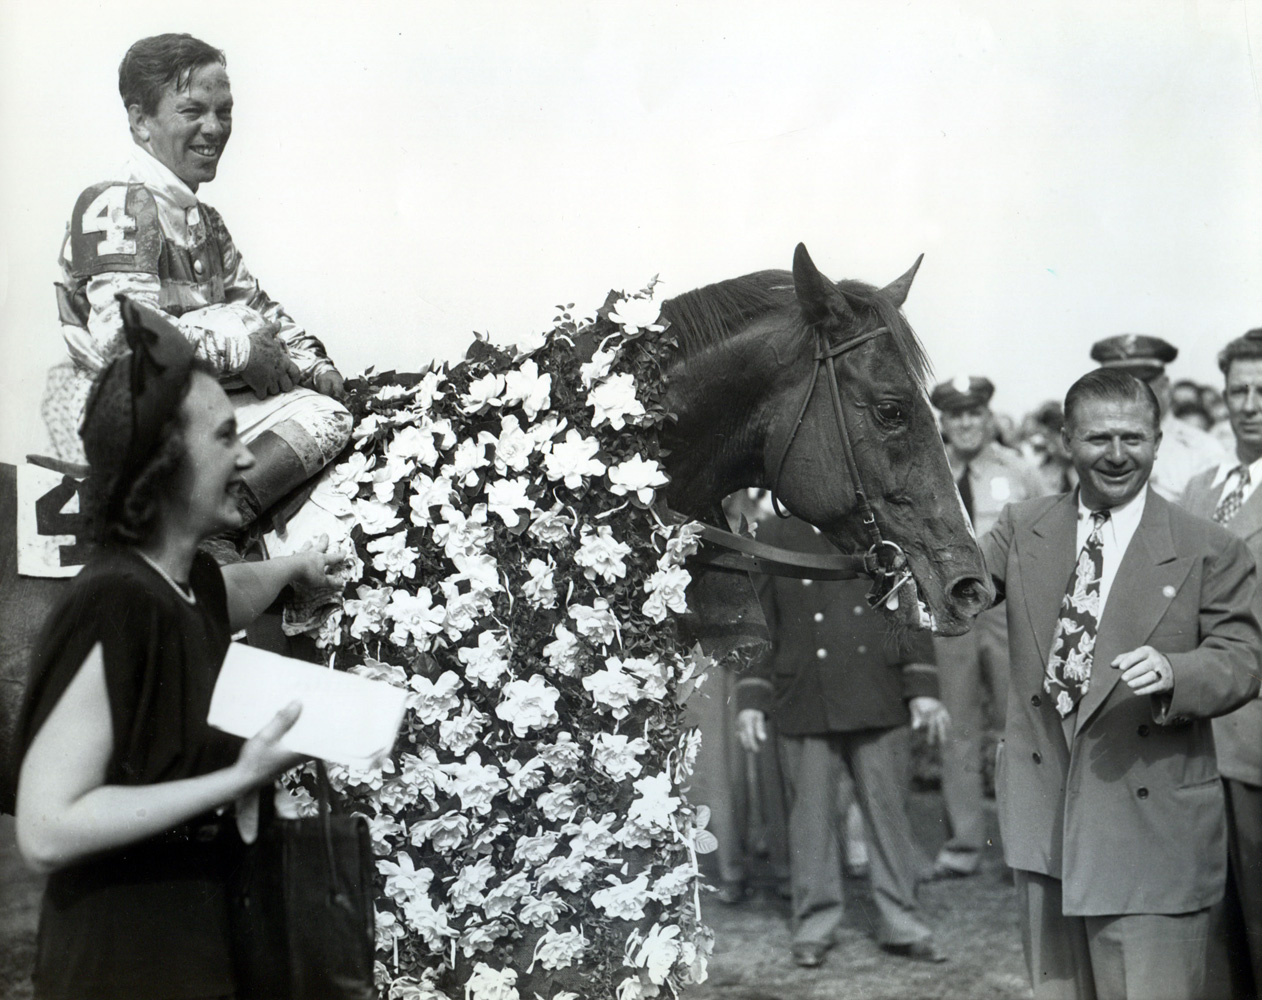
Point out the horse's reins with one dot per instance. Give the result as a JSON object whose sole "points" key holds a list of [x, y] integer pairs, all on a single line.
{"points": [[884, 560]]}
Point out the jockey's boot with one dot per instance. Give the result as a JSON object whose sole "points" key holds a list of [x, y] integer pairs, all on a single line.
{"points": [[278, 474]]}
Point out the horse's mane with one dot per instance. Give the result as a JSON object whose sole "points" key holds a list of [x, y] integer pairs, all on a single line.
{"points": [[708, 316]]}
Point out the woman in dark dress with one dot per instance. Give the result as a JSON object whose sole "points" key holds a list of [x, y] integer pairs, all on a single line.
{"points": [[123, 786]]}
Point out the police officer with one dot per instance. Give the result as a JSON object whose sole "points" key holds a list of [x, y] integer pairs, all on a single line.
{"points": [[1185, 450], [989, 476]]}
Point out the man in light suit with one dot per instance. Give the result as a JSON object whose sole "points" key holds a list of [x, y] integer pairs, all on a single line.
{"points": [[1131, 625], [1228, 494]]}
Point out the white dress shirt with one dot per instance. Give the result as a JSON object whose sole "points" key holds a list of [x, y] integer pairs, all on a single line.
{"points": [[1115, 536]]}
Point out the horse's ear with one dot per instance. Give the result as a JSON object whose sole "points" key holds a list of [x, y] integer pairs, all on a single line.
{"points": [[896, 291], [817, 296]]}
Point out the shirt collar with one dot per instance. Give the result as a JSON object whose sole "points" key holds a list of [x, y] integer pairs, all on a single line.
{"points": [[146, 168], [1226, 468], [1122, 518]]}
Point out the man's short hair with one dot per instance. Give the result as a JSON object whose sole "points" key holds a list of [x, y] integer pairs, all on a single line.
{"points": [[1111, 385], [1246, 348], [154, 62]]}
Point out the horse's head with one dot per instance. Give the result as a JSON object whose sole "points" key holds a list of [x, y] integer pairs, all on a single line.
{"points": [[858, 375]]}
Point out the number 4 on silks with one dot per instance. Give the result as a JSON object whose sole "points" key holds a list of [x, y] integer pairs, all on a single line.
{"points": [[51, 529]]}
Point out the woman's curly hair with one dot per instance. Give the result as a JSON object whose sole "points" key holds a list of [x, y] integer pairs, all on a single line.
{"points": [[127, 513]]}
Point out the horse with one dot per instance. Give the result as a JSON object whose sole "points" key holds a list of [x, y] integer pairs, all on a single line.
{"points": [[815, 390]]}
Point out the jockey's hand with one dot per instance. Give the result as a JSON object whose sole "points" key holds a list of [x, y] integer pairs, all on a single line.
{"points": [[930, 715], [751, 729], [329, 383], [316, 567], [269, 370]]}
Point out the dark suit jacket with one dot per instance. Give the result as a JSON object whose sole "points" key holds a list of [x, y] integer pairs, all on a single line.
{"points": [[1126, 807], [1238, 736], [833, 666]]}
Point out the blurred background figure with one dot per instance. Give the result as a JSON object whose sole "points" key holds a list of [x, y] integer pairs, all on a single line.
{"points": [[973, 668], [1185, 448], [1042, 448]]}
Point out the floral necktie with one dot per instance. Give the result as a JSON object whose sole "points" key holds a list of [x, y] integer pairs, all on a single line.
{"points": [[1073, 646], [1230, 503]]}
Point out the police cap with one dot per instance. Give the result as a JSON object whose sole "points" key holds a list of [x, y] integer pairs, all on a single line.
{"points": [[962, 393], [1142, 355]]}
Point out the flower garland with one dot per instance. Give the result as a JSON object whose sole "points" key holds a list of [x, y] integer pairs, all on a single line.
{"points": [[513, 567]]}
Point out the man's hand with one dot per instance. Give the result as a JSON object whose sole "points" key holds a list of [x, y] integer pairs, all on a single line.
{"points": [[751, 729], [329, 383], [270, 370], [1145, 670], [930, 715]]}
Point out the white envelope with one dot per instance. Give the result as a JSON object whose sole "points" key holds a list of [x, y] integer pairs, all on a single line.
{"points": [[345, 718]]}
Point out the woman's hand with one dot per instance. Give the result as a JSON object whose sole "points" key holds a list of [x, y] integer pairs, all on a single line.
{"points": [[262, 757], [316, 567]]}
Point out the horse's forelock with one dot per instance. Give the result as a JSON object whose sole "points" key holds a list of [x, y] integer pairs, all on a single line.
{"points": [[908, 345]]}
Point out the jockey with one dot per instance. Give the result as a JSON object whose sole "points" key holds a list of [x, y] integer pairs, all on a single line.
{"points": [[144, 234]]}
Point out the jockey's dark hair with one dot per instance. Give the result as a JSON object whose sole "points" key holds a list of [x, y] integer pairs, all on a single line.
{"points": [[1111, 385], [152, 63], [127, 512], [1246, 348]]}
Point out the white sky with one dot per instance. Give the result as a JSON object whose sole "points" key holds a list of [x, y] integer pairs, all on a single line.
{"points": [[402, 173]]}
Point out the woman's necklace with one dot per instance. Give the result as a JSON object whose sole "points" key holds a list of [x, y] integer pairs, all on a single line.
{"points": [[184, 592]]}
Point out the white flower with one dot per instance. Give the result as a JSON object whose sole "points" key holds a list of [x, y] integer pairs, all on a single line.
{"points": [[551, 526], [539, 589], [503, 898], [366, 428], [674, 883], [559, 949], [389, 393], [513, 447], [572, 459], [560, 801], [537, 849], [469, 457], [600, 554], [446, 832], [375, 517], [592, 839], [463, 536], [488, 661], [528, 704], [655, 805], [597, 368], [526, 386], [403, 880], [658, 953], [478, 937], [651, 674], [564, 653], [429, 921], [393, 556], [382, 830], [415, 616], [614, 402], [529, 342], [597, 622], [491, 984], [562, 756], [636, 313], [415, 444], [623, 900], [437, 699], [523, 778], [668, 591], [616, 755], [424, 776], [505, 497], [426, 392], [542, 910], [468, 888], [368, 610], [460, 732], [388, 929], [613, 688], [567, 872], [428, 493], [483, 393], [346, 475], [637, 475]]}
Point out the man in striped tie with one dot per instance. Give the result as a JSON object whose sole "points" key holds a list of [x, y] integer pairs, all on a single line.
{"points": [[1228, 494], [1131, 624]]}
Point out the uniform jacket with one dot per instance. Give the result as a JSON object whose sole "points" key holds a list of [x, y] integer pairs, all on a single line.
{"points": [[1123, 802], [997, 476], [145, 234], [1238, 736], [833, 666]]}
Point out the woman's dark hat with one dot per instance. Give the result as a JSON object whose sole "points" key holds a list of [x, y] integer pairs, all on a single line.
{"points": [[136, 394]]}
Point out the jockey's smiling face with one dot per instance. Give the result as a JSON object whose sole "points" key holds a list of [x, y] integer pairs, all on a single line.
{"points": [[190, 126]]}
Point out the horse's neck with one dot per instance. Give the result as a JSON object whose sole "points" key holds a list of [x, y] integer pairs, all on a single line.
{"points": [[720, 396]]}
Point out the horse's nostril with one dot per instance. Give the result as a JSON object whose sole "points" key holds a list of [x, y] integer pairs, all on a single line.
{"points": [[970, 595]]}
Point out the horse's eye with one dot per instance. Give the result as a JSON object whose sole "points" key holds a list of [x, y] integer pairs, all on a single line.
{"points": [[891, 413]]}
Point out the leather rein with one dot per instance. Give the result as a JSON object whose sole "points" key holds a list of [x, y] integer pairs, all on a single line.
{"points": [[884, 561]]}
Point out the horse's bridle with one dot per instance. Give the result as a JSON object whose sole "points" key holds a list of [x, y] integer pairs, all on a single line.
{"points": [[884, 560]]}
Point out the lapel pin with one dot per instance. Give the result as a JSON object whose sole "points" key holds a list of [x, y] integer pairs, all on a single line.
{"points": [[1167, 591]]}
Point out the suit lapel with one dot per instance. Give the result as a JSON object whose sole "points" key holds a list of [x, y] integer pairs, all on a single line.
{"points": [[1248, 519], [1147, 580], [1049, 550]]}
